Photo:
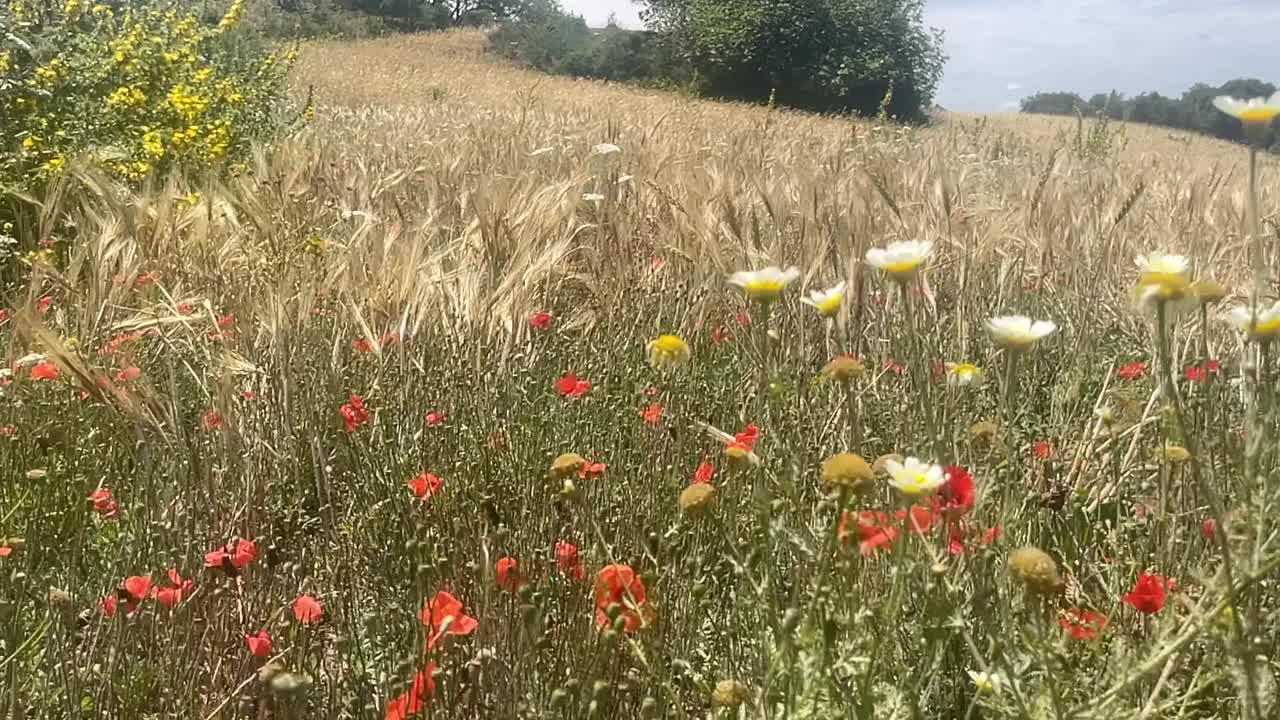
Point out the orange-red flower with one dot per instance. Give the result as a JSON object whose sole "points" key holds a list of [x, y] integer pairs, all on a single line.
{"points": [[957, 494], [104, 503], [1148, 594], [8, 431], [591, 470], [211, 420], [1042, 450], [1196, 373], [745, 440], [435, 418], [425, 485], [308, 610], [231, 557], [540, 320], [571, 386], [411, 701], [259, 644], [893, 366], [1083, 624], [354, 413], [507, 570], [704, 473], [128, 374], [720, 335], [443, 614], [44, 370], [177, 590], [619, 585], [652, 414], [568, 560], [1132, 371], [1209, 529]]}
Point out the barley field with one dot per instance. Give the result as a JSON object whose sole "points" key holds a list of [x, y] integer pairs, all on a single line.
{"points": [[447, 408]]}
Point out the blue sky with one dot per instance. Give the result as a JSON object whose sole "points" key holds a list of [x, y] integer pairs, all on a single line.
{"points": [[1003, 50]]}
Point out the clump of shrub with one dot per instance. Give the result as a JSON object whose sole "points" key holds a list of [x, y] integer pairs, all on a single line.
{"points": [[138, 88]]}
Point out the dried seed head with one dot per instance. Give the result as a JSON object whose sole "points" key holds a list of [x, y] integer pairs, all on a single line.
{"points": [[843, 369], [566, 464], [983, 430], [696, 498], [847, 471], [728, 694], [1036, 569], [1177, 454]]}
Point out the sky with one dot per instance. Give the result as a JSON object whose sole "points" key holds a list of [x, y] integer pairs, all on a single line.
{"points": [[1003, 50]]}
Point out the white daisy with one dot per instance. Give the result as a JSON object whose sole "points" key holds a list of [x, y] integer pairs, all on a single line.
{"points": [[1019, 332], [765, 285], [1265, 326], [900, 260], [826, 302], [913, 477]]}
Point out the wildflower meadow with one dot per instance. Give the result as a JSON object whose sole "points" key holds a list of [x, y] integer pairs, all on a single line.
{"points": [[483, 394]]}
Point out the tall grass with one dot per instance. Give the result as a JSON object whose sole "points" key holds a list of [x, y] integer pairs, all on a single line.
{"points": [[396, 250]]}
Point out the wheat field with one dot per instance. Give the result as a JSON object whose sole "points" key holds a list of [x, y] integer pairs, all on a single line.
{"points": [[379, 428]]}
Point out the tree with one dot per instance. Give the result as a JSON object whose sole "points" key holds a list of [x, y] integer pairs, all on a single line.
{"points": [[816, 54], [1053, 103]]}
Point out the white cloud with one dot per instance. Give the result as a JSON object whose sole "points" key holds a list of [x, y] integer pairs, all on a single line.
{"points": [[1013, 87]]}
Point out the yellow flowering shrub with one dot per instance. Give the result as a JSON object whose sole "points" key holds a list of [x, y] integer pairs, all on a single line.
{"points": [[139, 88]]}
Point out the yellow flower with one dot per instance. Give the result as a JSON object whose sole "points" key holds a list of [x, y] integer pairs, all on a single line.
{"points": [[1263, 326], [765, 285], [31, 143], [826, 302], [963, 374], [913, 477], [900, 260], [1018, 332], [1036, 569], [987, 683], [1163, 277], [152, 144], [668, 351], [55, 164], [847, 471], [1176, 454], [843, 368]]}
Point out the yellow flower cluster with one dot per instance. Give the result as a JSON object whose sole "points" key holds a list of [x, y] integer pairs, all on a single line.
{"points": [[126, 97], [232, 18], [188, 103], [152, 144]]}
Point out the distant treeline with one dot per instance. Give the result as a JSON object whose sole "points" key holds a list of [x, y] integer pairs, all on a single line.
{"points": [[871, 57], [1193, 111]]}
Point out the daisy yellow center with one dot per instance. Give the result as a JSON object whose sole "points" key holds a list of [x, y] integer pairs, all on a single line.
{"points": [[764, 289], [1259, 115], [1168, 285], [916, 483], [902, 266], [1268, 327], [965, 370], [829, 306]]}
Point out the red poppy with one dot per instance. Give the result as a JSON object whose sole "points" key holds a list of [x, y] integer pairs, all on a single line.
{"points": [[178, 589], [720, 335], [354, 413], [893, 366], [8, 431], [592, 470], [1042, 450], [568, 560], [745, 440], [540, 320], [743, 319], [127, 374], [1083, 624], [146, 278], [308, 610], [230, 558], [1132, 371], [1209, 529], [211, 420], [109, 605], [1195, 374], [185, 308], [435, 418], [43, 304], [363, 345], [704, 473], [388, 339], [1148, 594], [249, 395], [5, 551], [956, 535], [4, 316], [876, 531], [571, 386], [657, 262], [620, 585], [652, 414], [44, 370], [410, 702], [443, 614], [957, 495], [1212, 366], [104, 503], [260, 644], [425, 485], [226, 321], [919, 519], [508, 571]]}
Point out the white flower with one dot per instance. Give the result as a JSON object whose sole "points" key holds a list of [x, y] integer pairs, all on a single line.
{"points": [[765, 285], [606, 149], [1264, 327], [913, 477], [1019, 332], [1254, 111], [1164, 277], [593, 197], [987, 683], [962, 374], [900, 260], [826, 302]]}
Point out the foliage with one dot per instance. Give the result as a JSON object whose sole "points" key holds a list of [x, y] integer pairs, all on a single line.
{"points": [[1193, 111], [817, 54], [451, 238]]}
